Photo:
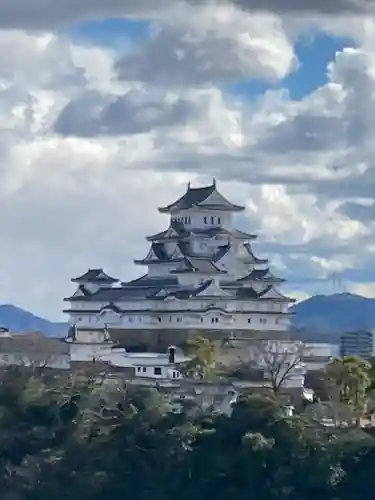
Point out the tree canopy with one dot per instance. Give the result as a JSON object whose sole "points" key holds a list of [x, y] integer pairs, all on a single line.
{"points": [[62, 437]]}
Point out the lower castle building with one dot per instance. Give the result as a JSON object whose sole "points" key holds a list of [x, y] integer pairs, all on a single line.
{"points": [[200, 274]]}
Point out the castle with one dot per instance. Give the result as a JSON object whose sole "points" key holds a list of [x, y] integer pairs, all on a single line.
{"points": [[201, 274]]}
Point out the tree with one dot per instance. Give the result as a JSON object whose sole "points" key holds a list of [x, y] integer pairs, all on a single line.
{"points": [[279, 361], [203, 355], [351, 376]]}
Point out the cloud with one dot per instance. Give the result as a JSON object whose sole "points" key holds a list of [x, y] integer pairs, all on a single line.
{"points": [[93, 114], [202, 45], [47, 14], [331, 7]]}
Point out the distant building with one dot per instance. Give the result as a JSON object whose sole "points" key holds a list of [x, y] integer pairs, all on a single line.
{"points": [[359, 343]]}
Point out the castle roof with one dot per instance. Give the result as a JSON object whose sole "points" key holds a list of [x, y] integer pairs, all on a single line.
{"points": [[95, 276], [251, 257], [207, 198], [177, 231], [260, 275], [191, 265]]}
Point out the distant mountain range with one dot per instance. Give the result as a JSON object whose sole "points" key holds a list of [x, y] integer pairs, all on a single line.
{"points": [[334, 314], [18, 321], [322, 314]]}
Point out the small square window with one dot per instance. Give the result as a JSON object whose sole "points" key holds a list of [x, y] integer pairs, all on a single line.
{"points": [[138, 368], [157, 370], [144, 369]]}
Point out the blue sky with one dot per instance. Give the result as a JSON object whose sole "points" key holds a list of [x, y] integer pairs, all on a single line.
{"points": [[313, 54]]}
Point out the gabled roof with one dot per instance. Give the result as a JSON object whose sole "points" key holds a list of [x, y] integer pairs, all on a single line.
{"points": [[223, 250], [260, 275], [111, 306], [253, 259], [175, 230], [95, 276], [191, 265], [156, 254], [271, 293], [81, 292], [207, 197]]}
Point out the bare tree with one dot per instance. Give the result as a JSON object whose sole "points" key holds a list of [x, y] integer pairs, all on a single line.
{"points": [[279, 361]]}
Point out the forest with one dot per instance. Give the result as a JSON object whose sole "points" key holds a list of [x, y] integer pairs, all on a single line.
{"points": [[78, 437]]}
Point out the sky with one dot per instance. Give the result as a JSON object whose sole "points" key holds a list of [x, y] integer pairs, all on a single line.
{"points": [[106, 112]]}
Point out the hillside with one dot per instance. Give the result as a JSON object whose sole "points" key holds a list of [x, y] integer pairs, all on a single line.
{"points": [[19, 320], [335, 313]]}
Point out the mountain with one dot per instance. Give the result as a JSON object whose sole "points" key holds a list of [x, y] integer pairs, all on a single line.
{"points": [[335, 313], [18, 320]]}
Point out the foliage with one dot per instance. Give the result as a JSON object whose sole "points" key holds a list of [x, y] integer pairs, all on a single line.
{"points": [[62, 437], [203, 355], [351, 378]]}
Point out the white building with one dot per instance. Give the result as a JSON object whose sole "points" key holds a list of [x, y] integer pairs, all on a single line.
{"points": [[201, 274], [92, 346]]}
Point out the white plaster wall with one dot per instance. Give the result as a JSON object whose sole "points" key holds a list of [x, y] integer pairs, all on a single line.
{"points": [[166, 372], [197, 218], [211, 320]]}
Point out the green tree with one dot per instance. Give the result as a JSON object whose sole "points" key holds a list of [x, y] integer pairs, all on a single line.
{"points": [[203, 355], [351, 377]]}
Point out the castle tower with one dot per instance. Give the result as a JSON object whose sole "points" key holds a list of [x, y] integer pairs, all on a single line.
{"points": [[201, 273]]}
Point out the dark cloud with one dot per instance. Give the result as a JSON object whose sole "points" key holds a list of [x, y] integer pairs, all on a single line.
{"points": [[94, 114], [45, 14], [329, 7]]}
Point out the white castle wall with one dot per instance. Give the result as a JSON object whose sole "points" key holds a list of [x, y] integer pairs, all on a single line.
{"points": [[196, 220], [210, 320]]}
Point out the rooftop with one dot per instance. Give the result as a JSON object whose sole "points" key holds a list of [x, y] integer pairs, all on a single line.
{"points": [[207, 197], [95, 276]]}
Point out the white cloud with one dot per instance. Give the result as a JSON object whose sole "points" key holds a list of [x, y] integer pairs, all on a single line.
{"points": [[196, 46]]}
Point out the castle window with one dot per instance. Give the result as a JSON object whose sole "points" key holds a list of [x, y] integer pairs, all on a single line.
{"points": [[249, 320], [157, 370], [212, 219], [218, 220], [205, 220]]}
